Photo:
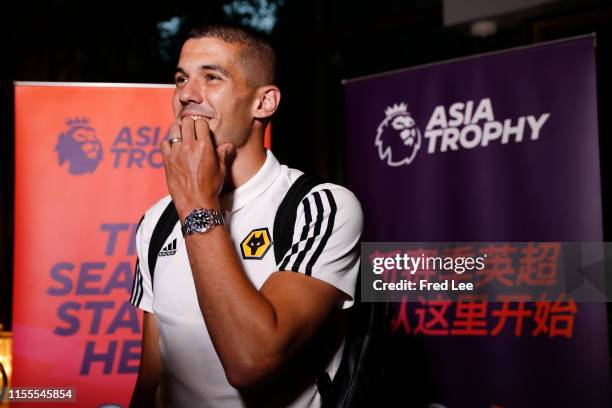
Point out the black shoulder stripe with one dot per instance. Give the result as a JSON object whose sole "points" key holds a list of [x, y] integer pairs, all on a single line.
{"points": [[136, 286], [134, 281], [286, 215], [161, 232], [303, 235], [328, 232], [317, 231], [141, 288]]}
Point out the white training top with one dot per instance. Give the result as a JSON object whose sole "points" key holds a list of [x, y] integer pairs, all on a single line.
{"points": [[325, 246]]}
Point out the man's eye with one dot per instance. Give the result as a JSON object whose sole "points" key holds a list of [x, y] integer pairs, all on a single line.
{"points": [[180, 80], [211, 77]]}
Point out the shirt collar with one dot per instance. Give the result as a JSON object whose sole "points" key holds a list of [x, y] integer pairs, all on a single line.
{"points": [[254, 187]]}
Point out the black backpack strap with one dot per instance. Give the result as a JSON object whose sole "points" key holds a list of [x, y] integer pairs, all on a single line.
{"points": [[361, 368], [284, 222], [162, 230], [360, 376]]}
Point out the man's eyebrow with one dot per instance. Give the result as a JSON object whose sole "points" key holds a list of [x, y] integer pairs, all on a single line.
{"points": [[209, 67], [215, 67]]}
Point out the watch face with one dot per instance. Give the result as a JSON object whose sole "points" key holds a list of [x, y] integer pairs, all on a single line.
{"points": [[199, 221]]}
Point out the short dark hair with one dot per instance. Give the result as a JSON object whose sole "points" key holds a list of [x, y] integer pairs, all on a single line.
{"points": [[257, 54]]}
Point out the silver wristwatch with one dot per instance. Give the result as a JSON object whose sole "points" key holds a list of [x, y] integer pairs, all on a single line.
{"points": [[201, 220]]}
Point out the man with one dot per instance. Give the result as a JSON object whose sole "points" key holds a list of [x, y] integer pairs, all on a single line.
{"points": [[224, 325]]}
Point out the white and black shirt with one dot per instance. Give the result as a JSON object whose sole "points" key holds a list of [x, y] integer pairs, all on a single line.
{"points": [[325, 246]]}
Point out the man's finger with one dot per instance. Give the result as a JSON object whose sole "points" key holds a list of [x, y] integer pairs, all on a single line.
{"points": [[188, 131], [203, 134], [174, 132], [165, 148]]}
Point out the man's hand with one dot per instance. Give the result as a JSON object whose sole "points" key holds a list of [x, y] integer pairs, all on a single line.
{"points": [[195, 167]]}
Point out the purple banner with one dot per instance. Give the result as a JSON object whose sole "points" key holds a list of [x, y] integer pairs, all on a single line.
{"points": [[498, 147]]}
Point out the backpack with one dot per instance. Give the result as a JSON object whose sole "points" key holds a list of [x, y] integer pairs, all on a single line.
{"points": [[361, 368]]}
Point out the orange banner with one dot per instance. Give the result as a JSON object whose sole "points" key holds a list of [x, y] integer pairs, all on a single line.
{"points": [[87, 165]]}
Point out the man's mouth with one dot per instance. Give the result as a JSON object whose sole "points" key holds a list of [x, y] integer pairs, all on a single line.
{"points": [[194, 115]]}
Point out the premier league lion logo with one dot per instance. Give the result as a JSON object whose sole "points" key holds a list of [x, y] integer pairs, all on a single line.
{"points": [[79, 146], [398, 138]]}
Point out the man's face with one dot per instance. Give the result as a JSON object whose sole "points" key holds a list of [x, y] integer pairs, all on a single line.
{"points": [[211, 84]]}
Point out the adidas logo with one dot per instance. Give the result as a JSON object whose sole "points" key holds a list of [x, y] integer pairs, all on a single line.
{"points": [[169, 249]]}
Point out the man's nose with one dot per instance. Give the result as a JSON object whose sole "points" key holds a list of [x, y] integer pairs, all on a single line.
{"points": [[191, 93]]}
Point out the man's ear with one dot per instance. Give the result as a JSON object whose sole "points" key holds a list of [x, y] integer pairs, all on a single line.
{"points": [[268, 98]]}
